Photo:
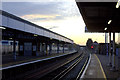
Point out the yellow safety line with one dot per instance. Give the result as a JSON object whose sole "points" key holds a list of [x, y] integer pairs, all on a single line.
{"points": [[101, 67]]}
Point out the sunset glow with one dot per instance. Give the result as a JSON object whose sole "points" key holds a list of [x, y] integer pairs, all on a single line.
{"points": [[63, 14]]}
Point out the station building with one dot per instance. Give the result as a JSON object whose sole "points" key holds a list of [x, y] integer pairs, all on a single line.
{"points": [[21, 37]]}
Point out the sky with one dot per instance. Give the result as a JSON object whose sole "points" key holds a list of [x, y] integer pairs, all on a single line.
{"points": [[63, 15]]}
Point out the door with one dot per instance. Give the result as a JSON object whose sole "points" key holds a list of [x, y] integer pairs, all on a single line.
{"points": [[27, 49]]}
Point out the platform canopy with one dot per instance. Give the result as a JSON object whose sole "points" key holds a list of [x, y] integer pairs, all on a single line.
{"points": [[96, 15]]}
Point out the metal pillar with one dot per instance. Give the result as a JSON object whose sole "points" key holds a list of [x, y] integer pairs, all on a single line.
{"points": [[110, 58], [63, 48], [1, 50], [68, 46], [0, 44], [113, 63], [43, 48], [14, 48], [58, 48], [72, 48], [50, 48], [38, 49], [46, 49], [106, 37]]}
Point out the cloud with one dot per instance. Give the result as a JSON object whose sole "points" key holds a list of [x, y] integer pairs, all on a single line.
{"points": [[63, 14], [25, 8], [38, 17], [64, 9]]}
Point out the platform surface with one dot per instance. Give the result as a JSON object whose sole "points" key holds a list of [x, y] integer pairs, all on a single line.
{"points": [[94, 70], [111, 75], [8, 60]]}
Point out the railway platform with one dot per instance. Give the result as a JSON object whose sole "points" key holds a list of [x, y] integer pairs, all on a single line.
{"points": [[8, 60], [111, 75], [97, 69], [94, 70]]}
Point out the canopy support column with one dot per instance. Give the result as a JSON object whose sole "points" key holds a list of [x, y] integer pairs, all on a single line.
{"points": [[110, 58], [14, 47], [113, 55]]}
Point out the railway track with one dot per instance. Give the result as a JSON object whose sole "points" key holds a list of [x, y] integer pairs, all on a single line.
{"points": [[49, 67], [55, 69], [37, 69], [65, 71]]}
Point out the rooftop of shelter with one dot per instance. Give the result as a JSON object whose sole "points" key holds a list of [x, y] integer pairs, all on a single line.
{"points": [[30, 23], [100, 16]]}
